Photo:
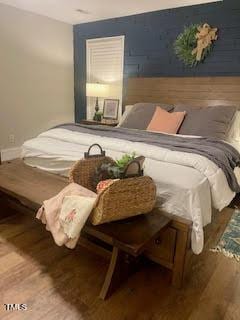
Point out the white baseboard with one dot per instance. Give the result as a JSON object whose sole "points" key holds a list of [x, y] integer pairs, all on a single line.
{"points": [[10, 154]]}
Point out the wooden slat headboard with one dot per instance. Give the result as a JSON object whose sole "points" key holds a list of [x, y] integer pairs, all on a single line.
{"points": [[194, 91]]}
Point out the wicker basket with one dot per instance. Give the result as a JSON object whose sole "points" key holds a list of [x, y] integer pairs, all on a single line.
{"points": [[83, 170], [123, 199]]}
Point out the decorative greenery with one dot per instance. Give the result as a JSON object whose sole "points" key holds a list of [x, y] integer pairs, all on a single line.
{"points": [[107, 171], [113, 171], [123, 162], [186, 42]]}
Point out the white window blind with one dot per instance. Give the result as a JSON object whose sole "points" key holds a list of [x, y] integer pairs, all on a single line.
{"points": [[105, 65]]}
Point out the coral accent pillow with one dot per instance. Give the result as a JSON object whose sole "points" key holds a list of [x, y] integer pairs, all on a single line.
{"points": [[166, 122]]}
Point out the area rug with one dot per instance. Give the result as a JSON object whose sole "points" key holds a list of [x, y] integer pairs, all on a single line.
{"points": [[229, 244]]}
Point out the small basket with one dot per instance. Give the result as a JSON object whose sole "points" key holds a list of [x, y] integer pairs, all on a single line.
{"points": [[127, 197], [83, 171]]}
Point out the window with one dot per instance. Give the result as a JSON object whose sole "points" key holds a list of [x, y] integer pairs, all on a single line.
{"points": [[105, 65]]}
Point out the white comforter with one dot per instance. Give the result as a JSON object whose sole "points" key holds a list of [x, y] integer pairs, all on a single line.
{"points": [[188, 185]]}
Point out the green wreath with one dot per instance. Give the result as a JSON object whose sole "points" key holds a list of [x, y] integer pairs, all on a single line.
{"points": [[186, 42]]}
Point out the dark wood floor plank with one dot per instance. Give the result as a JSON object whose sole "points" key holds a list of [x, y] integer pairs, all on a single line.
{"points": [[217, 295]]}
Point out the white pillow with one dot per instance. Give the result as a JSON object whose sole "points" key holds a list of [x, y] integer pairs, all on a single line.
{"points": [[236, 145], [234, 132], [125, 114]]}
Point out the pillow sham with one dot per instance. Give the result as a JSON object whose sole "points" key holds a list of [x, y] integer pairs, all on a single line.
{"points": [[141, 114], [234, 132], [128, 109], [166, 122], [210, 122]]}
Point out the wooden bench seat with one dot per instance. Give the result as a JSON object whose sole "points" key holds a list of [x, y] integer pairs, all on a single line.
{"points": [[154, 235]]}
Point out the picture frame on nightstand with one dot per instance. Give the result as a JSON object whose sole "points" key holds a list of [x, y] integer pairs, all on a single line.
{"points": [[110, 109]]}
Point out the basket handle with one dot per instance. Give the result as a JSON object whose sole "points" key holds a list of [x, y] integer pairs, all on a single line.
{"points": [[133, 162], [87, 154]]}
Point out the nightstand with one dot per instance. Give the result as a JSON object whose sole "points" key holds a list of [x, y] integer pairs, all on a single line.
{"points": [[111, 123]]}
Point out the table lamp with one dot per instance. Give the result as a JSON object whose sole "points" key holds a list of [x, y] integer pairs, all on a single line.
{"points": [[97, 90]]}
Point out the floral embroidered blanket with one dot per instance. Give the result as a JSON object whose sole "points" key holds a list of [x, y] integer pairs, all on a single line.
{"points": [[65, 214]]}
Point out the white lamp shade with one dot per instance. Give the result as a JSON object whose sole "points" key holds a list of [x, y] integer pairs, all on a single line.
{"points": [[97, 90]]}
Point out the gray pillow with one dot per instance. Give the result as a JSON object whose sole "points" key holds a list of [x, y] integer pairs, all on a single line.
{"points": [[141, 114], [209, 122]]}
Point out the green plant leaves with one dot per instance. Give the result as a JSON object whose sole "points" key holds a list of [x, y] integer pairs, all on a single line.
{"points": [[112, 170], [126, 158]]}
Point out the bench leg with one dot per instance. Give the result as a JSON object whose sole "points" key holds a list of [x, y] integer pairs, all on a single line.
{"points": [[119, 269], [180, 258]]}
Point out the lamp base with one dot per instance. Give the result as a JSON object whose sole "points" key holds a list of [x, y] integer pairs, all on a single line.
{"points": [[97, 116], [96, 105]]}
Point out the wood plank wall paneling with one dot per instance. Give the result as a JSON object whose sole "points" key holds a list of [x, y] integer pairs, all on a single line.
{"points": [[194, 91], [149, 40]]}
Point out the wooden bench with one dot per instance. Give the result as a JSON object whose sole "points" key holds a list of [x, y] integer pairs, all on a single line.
{"points": [[154, 235], [129, 239]]}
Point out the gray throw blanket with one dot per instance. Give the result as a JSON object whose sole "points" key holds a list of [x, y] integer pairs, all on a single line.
{"points": [[222, 154]]}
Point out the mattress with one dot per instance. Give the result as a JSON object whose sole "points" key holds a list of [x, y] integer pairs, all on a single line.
{"points": [[181, 189]]}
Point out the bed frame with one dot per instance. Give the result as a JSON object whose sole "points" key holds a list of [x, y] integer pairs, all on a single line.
{"points": [[25, 188]]}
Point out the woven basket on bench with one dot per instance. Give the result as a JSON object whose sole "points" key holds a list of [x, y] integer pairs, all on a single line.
{"points": [[123, 199]]}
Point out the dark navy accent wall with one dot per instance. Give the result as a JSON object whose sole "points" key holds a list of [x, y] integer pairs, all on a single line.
{"points": [[149, 39]]}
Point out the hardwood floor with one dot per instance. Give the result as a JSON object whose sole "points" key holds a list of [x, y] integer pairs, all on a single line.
{"points": [[58, 283]]}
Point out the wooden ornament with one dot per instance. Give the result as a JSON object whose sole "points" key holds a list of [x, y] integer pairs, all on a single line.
{"points": [[205, 37]]}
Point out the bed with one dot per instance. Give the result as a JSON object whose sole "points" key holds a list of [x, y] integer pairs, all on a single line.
{"points": [[188, 185], [189, 198]]}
